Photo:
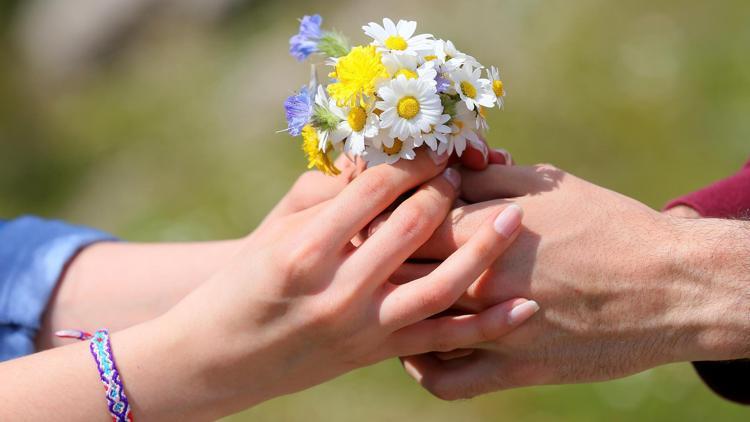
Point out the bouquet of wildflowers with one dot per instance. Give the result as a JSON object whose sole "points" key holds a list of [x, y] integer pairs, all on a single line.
{"points": [[384, 100]]}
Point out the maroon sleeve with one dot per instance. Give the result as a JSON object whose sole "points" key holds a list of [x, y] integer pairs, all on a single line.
{"points": [[728, 198]]}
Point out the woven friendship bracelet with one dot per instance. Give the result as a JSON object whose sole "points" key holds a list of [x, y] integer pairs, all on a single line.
{"points": [[101, 350]]}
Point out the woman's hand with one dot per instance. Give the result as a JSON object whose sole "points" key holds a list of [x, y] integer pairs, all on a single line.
{"points": [[150, 278], [296, 306], [303, 305]]}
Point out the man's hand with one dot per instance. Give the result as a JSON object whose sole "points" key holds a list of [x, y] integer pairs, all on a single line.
{"points": [[622, 287]]}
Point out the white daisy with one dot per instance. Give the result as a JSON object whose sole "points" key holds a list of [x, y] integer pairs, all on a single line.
{"points": [[385, 149], [400, 64], [410, 106], [322, 101], [463, 129], [357, 123], [448, 56], [497, 85], [472, 89], [398, 38], [437, 135], [481, 120]]}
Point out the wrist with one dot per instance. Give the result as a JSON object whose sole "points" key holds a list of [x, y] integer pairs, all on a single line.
{"points": [[227, 369], [172, 371], [710, 269]]}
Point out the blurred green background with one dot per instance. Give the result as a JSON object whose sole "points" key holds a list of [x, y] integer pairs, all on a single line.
{"points": [[156, 120]]}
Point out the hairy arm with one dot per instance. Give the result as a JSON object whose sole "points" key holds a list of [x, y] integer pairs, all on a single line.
{"points": [[715, 254]]}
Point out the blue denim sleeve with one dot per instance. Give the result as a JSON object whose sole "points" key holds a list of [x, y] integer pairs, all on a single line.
{"points": [[33, 255]]}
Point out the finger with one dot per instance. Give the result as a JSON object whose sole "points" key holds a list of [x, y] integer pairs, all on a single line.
{"points": [[476, 155], [453, 379], [409, 226], [368, 195], [382, 218], [458, 228], [406, 304], [314, 187], [500, 156], [449, 333], [501, 181], [410, 271], [377, 223], [682, 211], [454, 354]]}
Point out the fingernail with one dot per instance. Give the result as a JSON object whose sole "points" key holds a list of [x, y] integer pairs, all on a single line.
{"points": [[508, 220], [482, 148], [437, 159], [453, 177], [506, 154], [522, 312]]}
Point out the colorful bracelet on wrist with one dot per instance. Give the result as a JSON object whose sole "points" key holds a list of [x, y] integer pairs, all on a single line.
{"points": [[101, 350]]}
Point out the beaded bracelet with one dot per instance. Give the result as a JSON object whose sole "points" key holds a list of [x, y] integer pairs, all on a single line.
{"points": [[101, 350]]}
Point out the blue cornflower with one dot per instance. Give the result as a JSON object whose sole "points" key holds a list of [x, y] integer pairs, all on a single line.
{"points": [[299, 108], [442, 84], [306, 41]]}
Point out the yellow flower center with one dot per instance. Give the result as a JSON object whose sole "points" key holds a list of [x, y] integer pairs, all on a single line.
{"points": [[357, 118], [396, 42], [395, 149], [468, 89], [497, 86], [429, 58], [408, 73], [408, 107], [482, 112]]}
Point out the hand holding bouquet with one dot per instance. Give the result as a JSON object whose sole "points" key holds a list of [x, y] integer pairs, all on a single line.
{"points": [[386, 99]]}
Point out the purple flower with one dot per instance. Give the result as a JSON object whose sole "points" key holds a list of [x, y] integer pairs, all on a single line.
{"points": [[306, 41], [442, 84], [299, 109]]}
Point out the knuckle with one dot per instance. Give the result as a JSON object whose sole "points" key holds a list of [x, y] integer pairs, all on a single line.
{"points": [[301, 257], [326, 318], [441, 342], [434, 300], [439, 189], [410, 221], [488, 330], [375, 185]]}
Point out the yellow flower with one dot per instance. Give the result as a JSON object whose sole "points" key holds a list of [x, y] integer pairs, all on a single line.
{"points": [[356, 75], [315, 157]]}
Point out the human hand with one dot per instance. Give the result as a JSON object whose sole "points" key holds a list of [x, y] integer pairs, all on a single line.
{"points": [[623, 288], [303, 305], [150, 278], [314, 187]]}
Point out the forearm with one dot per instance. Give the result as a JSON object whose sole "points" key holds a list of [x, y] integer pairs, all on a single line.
{"points": [[712, 269], [117, 285], [154, 361]]}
